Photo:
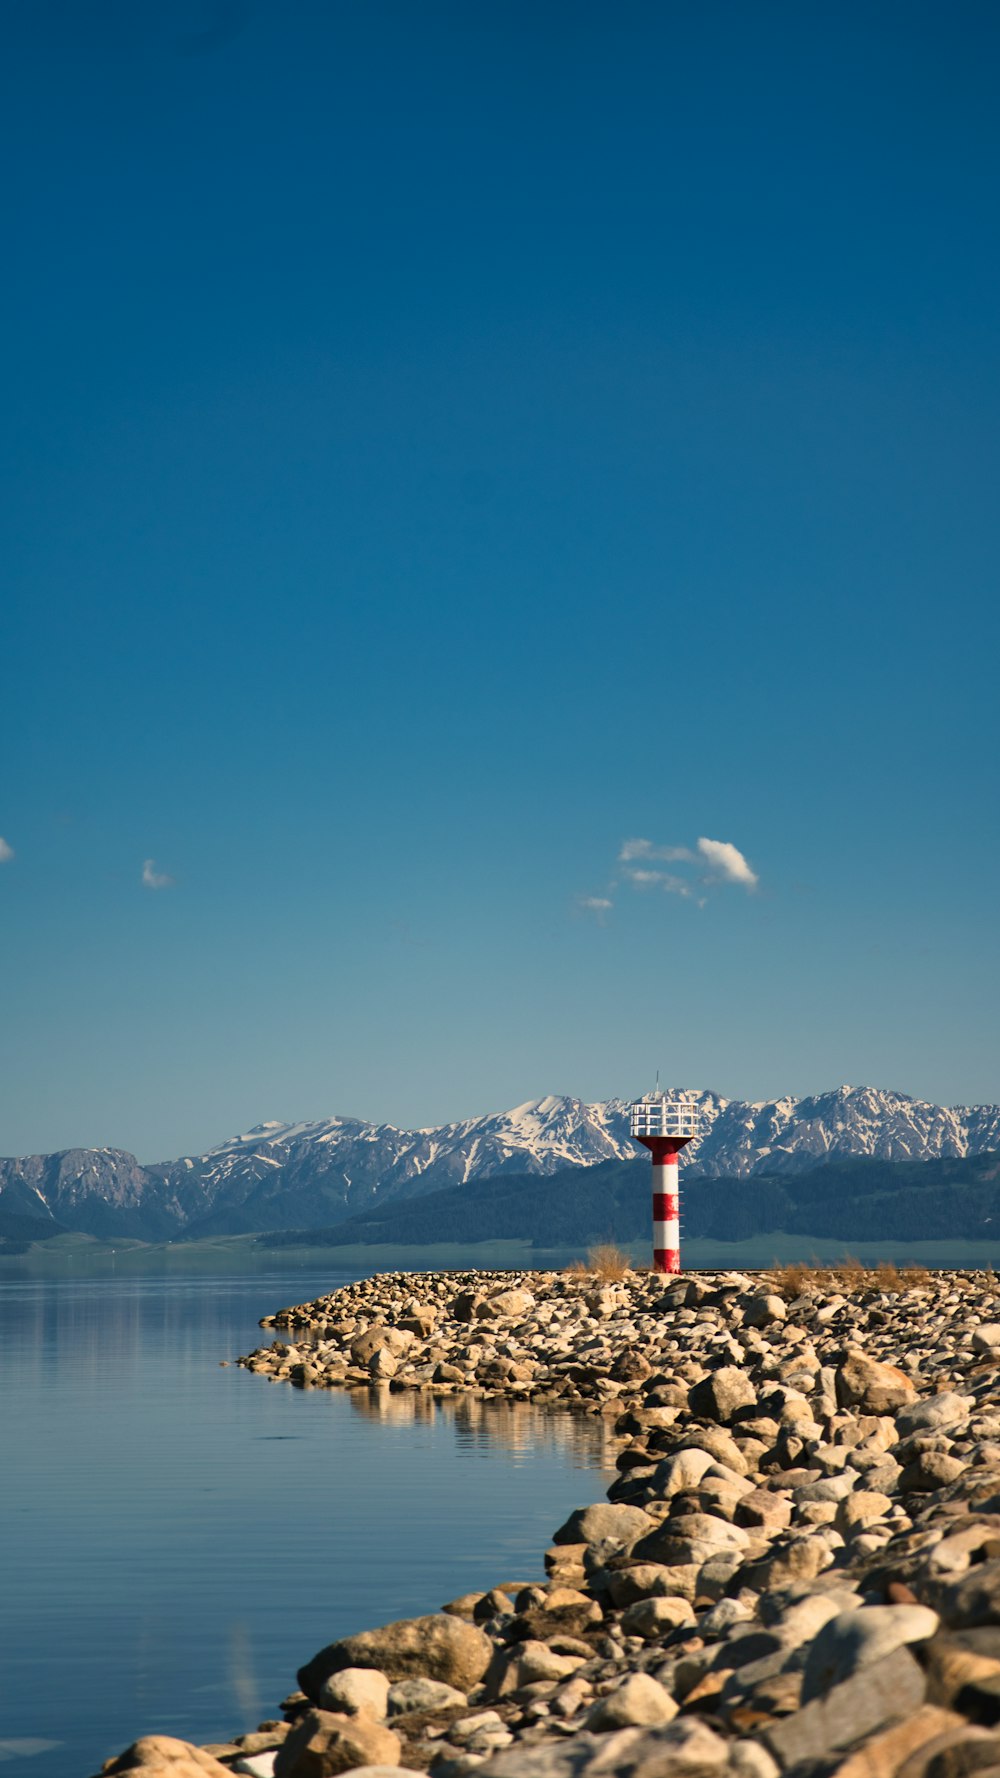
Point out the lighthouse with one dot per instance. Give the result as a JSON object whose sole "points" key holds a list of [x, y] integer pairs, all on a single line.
{"points": [[664, 1123]]}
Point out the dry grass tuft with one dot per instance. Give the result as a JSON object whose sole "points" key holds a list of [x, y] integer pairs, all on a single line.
{"points": [[575, 1269], [608, 1263], [849, 1276]]}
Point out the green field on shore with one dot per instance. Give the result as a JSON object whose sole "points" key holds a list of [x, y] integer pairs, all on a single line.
{"points": [[81, 1256]]}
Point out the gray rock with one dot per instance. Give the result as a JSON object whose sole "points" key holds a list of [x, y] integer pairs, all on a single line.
{"points": [[682, 1749], [887, 1691], [856, 1639], [409, 1695], [936, 1411]]}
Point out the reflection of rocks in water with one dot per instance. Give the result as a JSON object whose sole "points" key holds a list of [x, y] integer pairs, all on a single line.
{"points": [[518, 1426]]}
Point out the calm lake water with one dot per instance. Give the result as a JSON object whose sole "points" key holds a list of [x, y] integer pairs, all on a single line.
{"points": [[177, 1538]]}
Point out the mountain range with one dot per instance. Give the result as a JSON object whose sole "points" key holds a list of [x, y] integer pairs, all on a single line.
{"points": [[312, 1175]]}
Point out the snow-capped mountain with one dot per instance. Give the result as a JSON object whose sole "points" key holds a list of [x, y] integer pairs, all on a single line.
{"points": [[309, 1174]]}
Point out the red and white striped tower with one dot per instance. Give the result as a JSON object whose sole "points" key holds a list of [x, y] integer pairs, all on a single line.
{"points": [[664, 1123]]}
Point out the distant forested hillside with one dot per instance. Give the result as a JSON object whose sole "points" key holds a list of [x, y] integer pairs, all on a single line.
{"points": [[18, 1232], [855, 1200]]}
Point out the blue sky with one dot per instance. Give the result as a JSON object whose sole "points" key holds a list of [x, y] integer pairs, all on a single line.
{"points": [[443, 444]]}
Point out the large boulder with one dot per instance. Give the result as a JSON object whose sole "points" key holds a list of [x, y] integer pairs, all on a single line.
{"points": [[433, 1647], [324, 1743]]}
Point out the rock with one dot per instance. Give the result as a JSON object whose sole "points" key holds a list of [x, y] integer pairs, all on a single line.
{"points": [[409, 1695], [693, 1537], [973, 1600], [928, 1471], [799, 1623], [888, 1691], [255, 1765], [761, 1311], [356, 1689], [934, 1412], [507, 1305], [652, 1618], [955, 1754], [528, 1663], [382, 1364], [882, 1756], [856, 1639], [875, 1388], [792, 1559], [379, 1338], [463, 1307], [722, 1394], [383, 1771], [861, 1509], [986, 1338], [323, 1744], [639, 1700], [748, 1759], [630, 1367], [161, 1756], [682, 1749], [420, 1322], [963, 1671], [604, 1523], [683, 1470], [651, 1580], [435, 1647]]}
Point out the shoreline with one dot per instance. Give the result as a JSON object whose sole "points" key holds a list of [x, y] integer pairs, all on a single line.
{"points": [[797, 1569]]}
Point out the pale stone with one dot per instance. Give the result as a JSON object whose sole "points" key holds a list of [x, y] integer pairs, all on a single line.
{"points": [[640, 1699], [356, 1689]]}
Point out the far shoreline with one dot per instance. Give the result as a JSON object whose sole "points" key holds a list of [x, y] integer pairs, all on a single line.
{"points": [[84, 1256]]}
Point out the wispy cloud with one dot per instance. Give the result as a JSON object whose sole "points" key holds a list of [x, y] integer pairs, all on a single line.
{"points": [[598, 905], [665, 880], [632, 849], [153, 878], [6, 852], [716, 863]]}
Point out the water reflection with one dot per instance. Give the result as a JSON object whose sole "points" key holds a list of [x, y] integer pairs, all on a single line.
{"points": [[585, 1440], [178, 1536]]}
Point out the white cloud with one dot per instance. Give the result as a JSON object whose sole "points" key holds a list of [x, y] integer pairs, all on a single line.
{"points": [[728, 863], [722, 863], [6, 852], [153, 878]]}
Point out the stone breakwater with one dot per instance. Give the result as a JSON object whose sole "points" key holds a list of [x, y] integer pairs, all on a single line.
{"points": [[796, 1572]]}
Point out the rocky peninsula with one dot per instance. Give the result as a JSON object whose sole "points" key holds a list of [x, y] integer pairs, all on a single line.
{"points": [[797, 1570]]}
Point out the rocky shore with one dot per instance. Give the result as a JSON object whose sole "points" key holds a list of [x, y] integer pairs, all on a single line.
{"points": [[796, 1572]]}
